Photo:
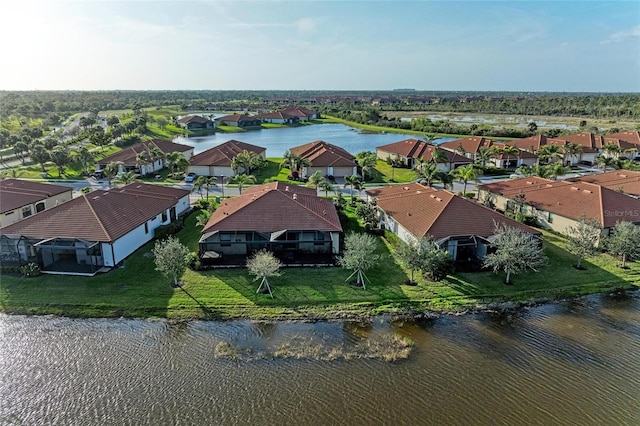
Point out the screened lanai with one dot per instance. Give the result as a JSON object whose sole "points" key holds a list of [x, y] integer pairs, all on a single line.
{"points": [[69, 256]]}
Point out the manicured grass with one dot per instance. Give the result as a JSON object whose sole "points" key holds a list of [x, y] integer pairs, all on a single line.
{"points": [[387, 174], [229, 129], [137, 290]]}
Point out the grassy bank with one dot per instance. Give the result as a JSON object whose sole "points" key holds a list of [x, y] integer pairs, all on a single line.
{"points": [[381, 129], [137, 290]]}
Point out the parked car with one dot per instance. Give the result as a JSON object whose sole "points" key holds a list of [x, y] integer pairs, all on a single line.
{"points": [[190, 177], [98, 174]]}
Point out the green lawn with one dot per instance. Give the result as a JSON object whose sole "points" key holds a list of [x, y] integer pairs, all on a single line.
{"points": [[385, 173], [137, 290]]}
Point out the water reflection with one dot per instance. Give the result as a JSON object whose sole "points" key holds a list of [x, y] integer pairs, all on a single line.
{"points": [[574, 362]]}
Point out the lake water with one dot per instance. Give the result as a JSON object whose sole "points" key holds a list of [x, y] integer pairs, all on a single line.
{"points": [[277, 141], [570, 363]]}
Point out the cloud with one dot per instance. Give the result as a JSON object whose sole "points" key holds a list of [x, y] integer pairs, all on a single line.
{"points": [[305, 25], [622, 36]]}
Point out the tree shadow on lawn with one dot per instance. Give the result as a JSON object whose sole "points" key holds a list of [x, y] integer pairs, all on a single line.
{"points": [[208, 313]]}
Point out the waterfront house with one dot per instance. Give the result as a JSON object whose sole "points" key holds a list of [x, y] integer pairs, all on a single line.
{"points": [[289, 220], [408, 151], [239, 120], [141, 159], [22, 198], [559, 205], [330, 160], [277, 118], [217, 161], [95, 231], [470, 147], [195, 122], [301, 113], [458, 225]]}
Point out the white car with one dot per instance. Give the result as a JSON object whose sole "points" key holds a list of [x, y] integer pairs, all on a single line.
{"points": [[190, 177]]}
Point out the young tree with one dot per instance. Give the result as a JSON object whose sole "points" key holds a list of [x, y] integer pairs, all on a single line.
{"points": [[264, 265], [516, 251], [582, 238], [326, 187], [359, 256], [171, 258], [625, 242], [60, 157], [351, 181], [425, 255], [111, 170]]}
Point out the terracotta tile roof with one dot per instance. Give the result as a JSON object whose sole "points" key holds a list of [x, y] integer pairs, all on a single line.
{"points": [[471, 144], [194, 119], [16, 193], [298, 111], [100, 215], [323, 154], [415, 148], [571, 199], [441, 214], [270, 208], [282, 187], [631, 137], [532, 143], [521, 152], [236, 118], [395, 190], [223, 154], [128, 155], [625, 181], [276, 115]]}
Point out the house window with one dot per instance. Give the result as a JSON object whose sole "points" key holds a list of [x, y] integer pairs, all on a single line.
{"points": [[225, 240], [164, 216], [39, 207], [146, 228], [550, 218], [26, 211]]}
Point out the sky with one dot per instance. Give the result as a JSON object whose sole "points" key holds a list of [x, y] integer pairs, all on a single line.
{"points": [[554, 46]]}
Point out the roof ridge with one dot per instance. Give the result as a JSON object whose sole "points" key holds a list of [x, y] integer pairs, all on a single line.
{"points": [[308, 209], [84, 196]]}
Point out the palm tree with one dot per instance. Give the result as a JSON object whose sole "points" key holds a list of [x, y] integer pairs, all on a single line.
{"points": [[555, 170], [429, 171], [326, 187], [367, 161], [430, 139], [248, 160], [176, 160], [465, 174], [242, 180], [84, 157], [154, 154], [605, 161], [209, 183], [509, 151], [484, 155], [571, 150], [525, 170], [549, 154], [127, 177], [199, 183], [111, 170], [439, 156], [611, 150], [541, 171], [351, 181], [294, 162], [316, 179]]}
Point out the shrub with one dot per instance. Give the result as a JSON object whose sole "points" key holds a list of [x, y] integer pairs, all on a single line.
{"points": [[202, 204], [165, 231], [127, 141], [30, 270]]}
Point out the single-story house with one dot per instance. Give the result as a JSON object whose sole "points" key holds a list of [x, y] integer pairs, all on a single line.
{"points": [[239, 120], [137, 158], [410, 150], [277, 118], [196, 122], [631, 148], [591, 145], [216, 161], [288, 220], [329, 159], [469, 147], [624, 181], [458, 225], [95, 231], [559, 205], [22, 198], [301, 113]]}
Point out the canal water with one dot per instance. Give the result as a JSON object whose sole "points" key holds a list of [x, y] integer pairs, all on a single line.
{"points": [[277, 141], [569, 363]]}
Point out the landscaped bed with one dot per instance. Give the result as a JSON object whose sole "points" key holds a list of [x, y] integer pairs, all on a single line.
{"points": [[137, 290]]}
